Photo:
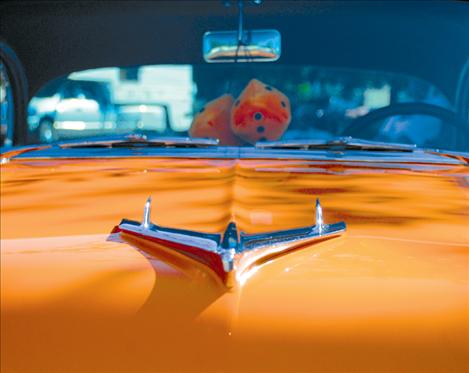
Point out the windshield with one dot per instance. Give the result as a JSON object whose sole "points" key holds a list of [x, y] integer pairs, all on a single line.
{"points": [[239, 104]]}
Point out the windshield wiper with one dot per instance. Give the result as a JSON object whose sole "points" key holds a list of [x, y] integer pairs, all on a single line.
{"points": [[141, 141], [339, 143]]}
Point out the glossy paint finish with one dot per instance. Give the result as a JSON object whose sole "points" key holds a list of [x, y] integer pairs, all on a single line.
{"points": [[391, 294]]}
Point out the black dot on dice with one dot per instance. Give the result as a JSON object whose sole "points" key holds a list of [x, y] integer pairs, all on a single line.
{"points": [[283, 104], [260, 129], [258, 116]]}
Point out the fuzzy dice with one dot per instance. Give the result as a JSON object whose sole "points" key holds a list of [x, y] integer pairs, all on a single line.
{"points": [[213, 121], [261, 113]]}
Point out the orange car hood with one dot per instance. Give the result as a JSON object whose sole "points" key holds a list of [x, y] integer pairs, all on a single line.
{"points": [[391, 294]]}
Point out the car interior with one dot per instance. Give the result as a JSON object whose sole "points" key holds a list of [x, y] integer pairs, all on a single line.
{"points": [[57, 39]]}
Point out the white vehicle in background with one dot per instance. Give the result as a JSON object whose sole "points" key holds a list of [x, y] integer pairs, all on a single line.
{"points": [[69, 108], [81, 108]]}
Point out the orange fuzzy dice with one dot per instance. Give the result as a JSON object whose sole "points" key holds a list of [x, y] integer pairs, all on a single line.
{"points": [[260, 113], [213, 121]]}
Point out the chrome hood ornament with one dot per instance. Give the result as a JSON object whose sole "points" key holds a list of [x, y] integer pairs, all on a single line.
{"points": [[229, 254]]}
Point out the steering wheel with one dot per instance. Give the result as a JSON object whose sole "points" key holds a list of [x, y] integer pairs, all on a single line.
{"points": [[369, 124]]}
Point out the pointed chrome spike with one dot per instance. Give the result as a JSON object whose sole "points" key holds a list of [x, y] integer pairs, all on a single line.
{"points": [[146, 223], [319, 220]]}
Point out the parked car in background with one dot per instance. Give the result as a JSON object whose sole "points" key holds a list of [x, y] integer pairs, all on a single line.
{"points": [[70, 108]]}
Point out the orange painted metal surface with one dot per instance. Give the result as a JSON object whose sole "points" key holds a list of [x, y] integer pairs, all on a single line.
{"points": [[389, 295]]}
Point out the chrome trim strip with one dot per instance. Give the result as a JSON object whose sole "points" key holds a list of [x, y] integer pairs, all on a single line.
{"points": [[205, 242], [228, 152]]}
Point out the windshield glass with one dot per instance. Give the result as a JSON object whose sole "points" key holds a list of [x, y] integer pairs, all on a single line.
{"points": [[239, 104]]}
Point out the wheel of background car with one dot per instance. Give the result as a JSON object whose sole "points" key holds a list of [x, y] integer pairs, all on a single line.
{"points": [[46, 131], [370, 123]]}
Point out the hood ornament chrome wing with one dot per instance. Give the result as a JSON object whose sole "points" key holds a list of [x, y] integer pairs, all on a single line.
{"points": [[229, 254]]}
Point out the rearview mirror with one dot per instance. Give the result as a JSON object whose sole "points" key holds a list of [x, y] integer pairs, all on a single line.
{"points": [[254, 46]]}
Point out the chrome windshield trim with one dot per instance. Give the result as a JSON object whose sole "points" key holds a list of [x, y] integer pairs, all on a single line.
{"points": [[7, 153], [417, 156], [229, 255], [462, 155], [54, 152], [231, 152]]}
